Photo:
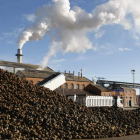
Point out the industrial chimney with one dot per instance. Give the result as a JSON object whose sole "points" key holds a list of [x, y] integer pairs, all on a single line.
{"points": [[19, 56]]}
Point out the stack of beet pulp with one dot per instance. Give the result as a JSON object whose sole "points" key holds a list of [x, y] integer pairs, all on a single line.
{"points": [[33, 112]]}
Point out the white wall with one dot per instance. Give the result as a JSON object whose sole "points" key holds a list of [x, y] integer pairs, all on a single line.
{"points": [[55, 82]]}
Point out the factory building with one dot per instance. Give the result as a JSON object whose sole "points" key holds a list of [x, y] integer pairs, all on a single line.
{"points": [[15, 66], [74, 85], [126, 93], [72, 81], [35, 76], [98, 89]]}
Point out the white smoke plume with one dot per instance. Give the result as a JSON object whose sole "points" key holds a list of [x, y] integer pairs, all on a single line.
{"points": [[68, 27]]}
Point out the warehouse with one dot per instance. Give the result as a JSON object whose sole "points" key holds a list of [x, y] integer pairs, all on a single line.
{"points": [[15, 66]]}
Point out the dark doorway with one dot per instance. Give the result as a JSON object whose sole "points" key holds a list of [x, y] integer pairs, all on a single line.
{"points": [[130, 104]]}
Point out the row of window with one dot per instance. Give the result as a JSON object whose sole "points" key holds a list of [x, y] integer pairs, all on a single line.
{"points": [[72, 86], [104, 94], [32, 81], [128, 91]]}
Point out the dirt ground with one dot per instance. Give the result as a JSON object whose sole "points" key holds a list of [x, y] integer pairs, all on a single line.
{"points": [[130, 137]]}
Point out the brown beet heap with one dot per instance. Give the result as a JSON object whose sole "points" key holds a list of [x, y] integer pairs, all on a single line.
{"points": [[30, 111]]}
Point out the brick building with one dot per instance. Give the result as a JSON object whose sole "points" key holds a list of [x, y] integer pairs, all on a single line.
{"points": [[138, 100], [34, 76], [126, 93], [98, 89]]}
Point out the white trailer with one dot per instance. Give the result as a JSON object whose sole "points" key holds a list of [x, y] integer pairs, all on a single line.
{"points": [[98, 101], [101, 101]]}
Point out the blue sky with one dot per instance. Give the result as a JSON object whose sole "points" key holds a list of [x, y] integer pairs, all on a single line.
{"points": [[117, 50]]}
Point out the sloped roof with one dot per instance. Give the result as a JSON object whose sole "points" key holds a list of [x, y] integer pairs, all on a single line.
{"points": [[102, 88], [127, 88], [73, 91], [49, 78], [71, 77], [22, 65], [36, 73]]}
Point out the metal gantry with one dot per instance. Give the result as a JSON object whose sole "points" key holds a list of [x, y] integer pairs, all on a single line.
{"points": [[127, 84]]}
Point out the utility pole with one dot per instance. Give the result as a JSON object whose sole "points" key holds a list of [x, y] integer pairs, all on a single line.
{"points": [[133, 72]]}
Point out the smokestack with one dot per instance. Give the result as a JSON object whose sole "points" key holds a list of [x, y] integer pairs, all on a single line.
{"points": [[78, 74], [19, 55], [81, 72]]}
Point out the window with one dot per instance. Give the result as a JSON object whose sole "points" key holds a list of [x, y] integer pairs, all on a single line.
{"points": [[77, 86], [31, 81], [66, 86], [104, 94], [108, 94], [38, 82], [60, 87], [129, 91], [126, 96], [72, 87], [83, 86], [126, 91]]}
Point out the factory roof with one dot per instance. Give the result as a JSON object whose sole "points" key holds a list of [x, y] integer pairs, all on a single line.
{"points": [[71, 77], [35, 73], [53, 75], [127, 88], [45, 74], [101, 88], [22, 65], [73, 91]]}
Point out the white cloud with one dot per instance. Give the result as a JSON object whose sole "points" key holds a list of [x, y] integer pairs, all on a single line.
{"points": [[135, 37], [54, 67], [121, 49], [13, 34], [99, 34], [127, 49], [110, 52], [58, 61], [10, 42], [124, 49], [29, 17], [10, 35], [138, 44], [7, 34]]}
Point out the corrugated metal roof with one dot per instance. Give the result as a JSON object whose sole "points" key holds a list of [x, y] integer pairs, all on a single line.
{"points": [[102, 88], [22, 65], [71, 77], [49, 78], [127, 88], [45, 74], [36, 74]]}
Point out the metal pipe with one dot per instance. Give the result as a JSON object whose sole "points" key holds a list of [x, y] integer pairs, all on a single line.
{"points": [[133, 72]]}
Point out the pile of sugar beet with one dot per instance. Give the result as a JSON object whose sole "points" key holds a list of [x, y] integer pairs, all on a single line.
{"points": [[33, 112]]}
